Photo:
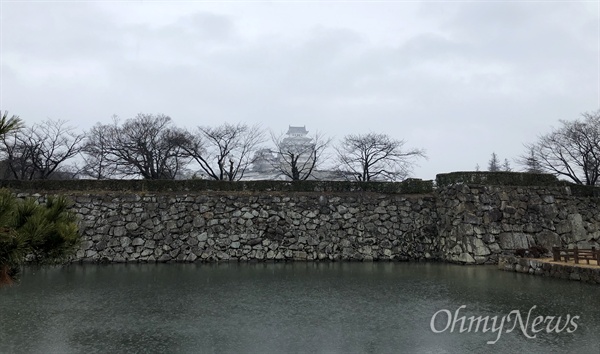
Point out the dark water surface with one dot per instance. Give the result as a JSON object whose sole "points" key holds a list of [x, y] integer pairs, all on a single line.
{"points": [[285, 308]]}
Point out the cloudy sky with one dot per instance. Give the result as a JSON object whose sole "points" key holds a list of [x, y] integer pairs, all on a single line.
{"points": [[461, 79]]}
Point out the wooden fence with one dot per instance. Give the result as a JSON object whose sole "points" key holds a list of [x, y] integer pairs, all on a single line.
{"points": [[576, 254]]}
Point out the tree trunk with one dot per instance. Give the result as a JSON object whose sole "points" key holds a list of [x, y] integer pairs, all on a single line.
{"points": [[5, 277]]}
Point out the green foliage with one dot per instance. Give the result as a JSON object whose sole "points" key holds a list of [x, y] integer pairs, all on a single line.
{"points": [[581, 190], [8, 124], [494, 163], [409, 186], [43, 233], [497, 178]]}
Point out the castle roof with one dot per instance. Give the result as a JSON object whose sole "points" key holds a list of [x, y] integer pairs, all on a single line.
{"points": [[297, 130]]}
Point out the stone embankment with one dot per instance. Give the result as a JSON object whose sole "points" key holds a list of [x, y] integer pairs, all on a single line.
{"points": [[468, 218], [226, 227], [544, 267], [478, 222]]}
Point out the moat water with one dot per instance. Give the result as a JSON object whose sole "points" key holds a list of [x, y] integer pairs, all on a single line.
{"points": [[288, 308]]}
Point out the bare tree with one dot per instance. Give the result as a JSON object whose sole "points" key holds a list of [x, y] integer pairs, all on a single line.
{"points": [[226, 151], [98, 162], [298, 157], [374, 156], [38, 151], [146, 146], [572, 150]]}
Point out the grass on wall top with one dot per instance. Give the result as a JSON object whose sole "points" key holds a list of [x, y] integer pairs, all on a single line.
{"points": [[409, 186]]}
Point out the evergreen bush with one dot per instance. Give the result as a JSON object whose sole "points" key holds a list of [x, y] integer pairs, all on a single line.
{"points": [[39, 233]]}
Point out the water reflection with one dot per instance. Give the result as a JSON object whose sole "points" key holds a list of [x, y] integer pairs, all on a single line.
{"points": [[281, 307]]}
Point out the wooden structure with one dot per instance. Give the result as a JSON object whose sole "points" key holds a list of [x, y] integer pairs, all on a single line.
{"points": [[576, 254]]}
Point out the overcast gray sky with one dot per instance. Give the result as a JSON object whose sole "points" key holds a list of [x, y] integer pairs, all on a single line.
{"points": [[461, 79]]}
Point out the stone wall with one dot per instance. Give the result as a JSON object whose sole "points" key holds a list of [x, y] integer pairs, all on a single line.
{"points": [[212, 226], [547, 269], [463, 220], [478, 223]]}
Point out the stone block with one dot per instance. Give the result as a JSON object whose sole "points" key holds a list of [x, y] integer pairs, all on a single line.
{"points": [[131, 226], [513, 240], [466, 258], [548, 239], [119, 231], [480, 248], [578, 232]]}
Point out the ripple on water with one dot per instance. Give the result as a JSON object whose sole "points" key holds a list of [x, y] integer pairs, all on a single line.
{"points": [[282, 307]]}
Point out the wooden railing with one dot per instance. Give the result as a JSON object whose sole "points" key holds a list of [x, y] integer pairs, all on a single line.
{"points": [[576, 254]]}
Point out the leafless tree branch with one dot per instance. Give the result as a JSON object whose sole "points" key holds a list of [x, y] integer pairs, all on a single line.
{"points": [[225, 152], [372, 156], [37, 152], [298, 160], [571, 150], [146, 146]]}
